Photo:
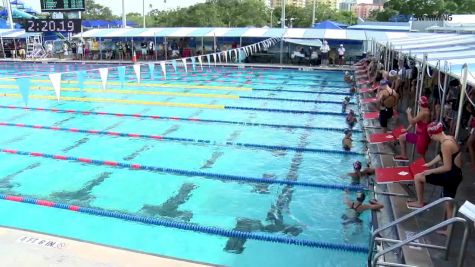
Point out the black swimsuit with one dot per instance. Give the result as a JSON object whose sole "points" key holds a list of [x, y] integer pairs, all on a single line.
{"points": [[449, 180]]}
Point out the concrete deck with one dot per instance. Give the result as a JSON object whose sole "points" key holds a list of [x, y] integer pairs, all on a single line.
{"points": [[22, 248]]}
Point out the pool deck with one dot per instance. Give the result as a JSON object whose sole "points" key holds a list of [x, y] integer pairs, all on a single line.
{"points": [[395, 207], [21, 248]]}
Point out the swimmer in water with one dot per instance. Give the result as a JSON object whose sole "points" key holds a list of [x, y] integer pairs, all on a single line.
{"points": [[345, 104], [351, 119], [347, 142], [358, 173], [355, 208]]}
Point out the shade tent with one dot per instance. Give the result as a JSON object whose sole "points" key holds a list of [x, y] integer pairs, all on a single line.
{"points": [[327, 24], [451, 49], [297, 33], [305, 42]]}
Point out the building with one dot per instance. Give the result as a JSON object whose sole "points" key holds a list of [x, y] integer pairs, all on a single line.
{"points": [[364, 10], [347, 5], [331, 3], [278, 3]]}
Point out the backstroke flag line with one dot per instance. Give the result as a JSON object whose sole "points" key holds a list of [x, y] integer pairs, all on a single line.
{"points": [[174, 65], [55, 79], [209, 60], [81, 75], [193, 63], [200, 59], [151, 68], [164, 69], [24, 86], [184, 64], [121, 73], [104, 72], [137, 72]]}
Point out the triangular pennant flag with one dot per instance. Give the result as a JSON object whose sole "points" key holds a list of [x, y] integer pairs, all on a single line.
{"points": [[137, 72], [185, 64], [104, 72], [239, 55], [55, 79], [226, 56], [209, 60], [193, 61], [164, 69], [121, 73], [151, 68], [174, 65], [200, 59], [214, 58], [81, 75], [219, 57], [24, 86]]}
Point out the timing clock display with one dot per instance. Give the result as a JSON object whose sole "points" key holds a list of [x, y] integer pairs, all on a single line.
{"points": [[53, 25]]}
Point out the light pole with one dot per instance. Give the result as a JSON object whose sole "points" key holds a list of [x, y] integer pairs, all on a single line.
{"points": [[143, 13], [292, 22], [282, 19], [313, 14], [124, 19]]}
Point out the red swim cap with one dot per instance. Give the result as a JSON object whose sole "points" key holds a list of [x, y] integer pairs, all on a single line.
{"points": [[424, 102], [435, 128]]}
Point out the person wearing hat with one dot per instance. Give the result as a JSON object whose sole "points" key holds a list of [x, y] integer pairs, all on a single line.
{"points": [[420, 138], [325, 49], [448, 174], [359, 173], [387, 100], [341, 54]]}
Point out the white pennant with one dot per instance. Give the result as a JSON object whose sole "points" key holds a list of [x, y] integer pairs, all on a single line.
{"points": [[214, 58], [219, 57], [55, 79], [164, 69], [104, 72], [137, 72], [226, 56], [184, 64], [201, 62]]}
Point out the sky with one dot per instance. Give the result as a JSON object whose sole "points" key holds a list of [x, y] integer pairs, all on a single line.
{"points": [[131, 5]]}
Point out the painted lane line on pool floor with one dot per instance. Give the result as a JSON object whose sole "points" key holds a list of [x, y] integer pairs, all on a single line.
{"points": [[180, 172], [211, 230], [191, 119], [174, 104], [123, 91], [180, 139]]}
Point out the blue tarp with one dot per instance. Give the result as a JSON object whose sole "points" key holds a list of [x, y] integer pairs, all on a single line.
{"points": [[105, 24], [328, 24]]}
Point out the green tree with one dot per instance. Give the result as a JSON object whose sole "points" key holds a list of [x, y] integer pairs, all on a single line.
{"points": [[97, 11]]}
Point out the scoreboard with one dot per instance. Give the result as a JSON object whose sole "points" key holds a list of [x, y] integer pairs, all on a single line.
{"points": [[62, 5]]}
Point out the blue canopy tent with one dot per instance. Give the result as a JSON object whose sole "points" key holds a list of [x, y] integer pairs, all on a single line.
{"points": [[106, 24], [328, 24]]}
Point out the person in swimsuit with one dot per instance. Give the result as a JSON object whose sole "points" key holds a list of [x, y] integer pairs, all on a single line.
{"points": [[355, 208], [358, 173], [448, 175], [351, 119], [387, 99], [421, 139], [345, 104], [347, 142]]}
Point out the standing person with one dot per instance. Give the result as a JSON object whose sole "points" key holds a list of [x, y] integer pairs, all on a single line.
{"points": [[65, 49], [151, 50], [74, 50], [421, 139], [448, 175], [341, 54], [325, 49], [80, 50], [143, 51], [313, 57], [387, 99]]}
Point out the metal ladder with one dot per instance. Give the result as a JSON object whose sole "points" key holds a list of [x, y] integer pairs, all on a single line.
{"points": [[32, 42], [373, 259]]}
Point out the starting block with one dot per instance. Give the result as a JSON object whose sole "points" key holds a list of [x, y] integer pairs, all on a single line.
{"points": [[400, 174], [367, 90], [369, 100], [362, 82], [377, 138]]}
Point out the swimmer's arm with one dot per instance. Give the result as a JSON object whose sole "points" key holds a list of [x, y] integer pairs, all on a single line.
{"points": [[447, 162], [432, 162], [371, 206]]}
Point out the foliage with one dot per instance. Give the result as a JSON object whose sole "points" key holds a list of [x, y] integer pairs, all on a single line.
{"points": [[97, 12]]}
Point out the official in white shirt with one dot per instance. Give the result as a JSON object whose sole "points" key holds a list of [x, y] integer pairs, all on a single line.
{"points": [[341, 54], [325, 49]]}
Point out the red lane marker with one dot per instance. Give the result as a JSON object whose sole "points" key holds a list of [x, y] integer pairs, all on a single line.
{"points": [[10, 151], [40, 108], [85, 160], [73, 208], [194, 119], [11, 107], [20, 124], [55, 128], [3, 123], [92, 131], [157, 137], [14, 198], [60, 157], [37, 126], [54, 110], [45, 203], [174, 118], [137, 115], [110, 163], [155, 117], [113, 133], [85, 113], [134, 135], [136, 166], [73, 130], [119, 114], [37, 154], [101, 113], [70, 111]]}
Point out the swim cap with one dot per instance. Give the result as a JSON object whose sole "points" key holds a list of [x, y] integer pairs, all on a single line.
{"points": [[352, 112], [435, 128], [383, 82], [347, 131], [360, 196], [357, 165], [346, 73], [424, 102]]}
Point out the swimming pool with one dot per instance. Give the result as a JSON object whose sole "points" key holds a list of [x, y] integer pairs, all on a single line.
{"points": [[229, 123]]}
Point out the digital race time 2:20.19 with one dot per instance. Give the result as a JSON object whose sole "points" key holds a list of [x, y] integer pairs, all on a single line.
{"points": [[53, 25]]}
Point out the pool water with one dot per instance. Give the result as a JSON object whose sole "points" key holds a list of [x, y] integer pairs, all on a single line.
{"points": [[229, 106]]}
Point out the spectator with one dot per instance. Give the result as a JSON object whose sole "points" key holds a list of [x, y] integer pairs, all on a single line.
{"points": [[341, 54], [325, 49]]}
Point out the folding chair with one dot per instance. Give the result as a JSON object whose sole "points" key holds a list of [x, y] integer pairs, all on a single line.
{"points": [[393, 136], [403, 174]]}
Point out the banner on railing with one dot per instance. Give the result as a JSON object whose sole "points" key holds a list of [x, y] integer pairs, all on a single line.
{"points": [[55, 79]]}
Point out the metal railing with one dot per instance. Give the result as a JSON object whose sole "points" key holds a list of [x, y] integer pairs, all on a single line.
{"points": [[373, 258]]}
